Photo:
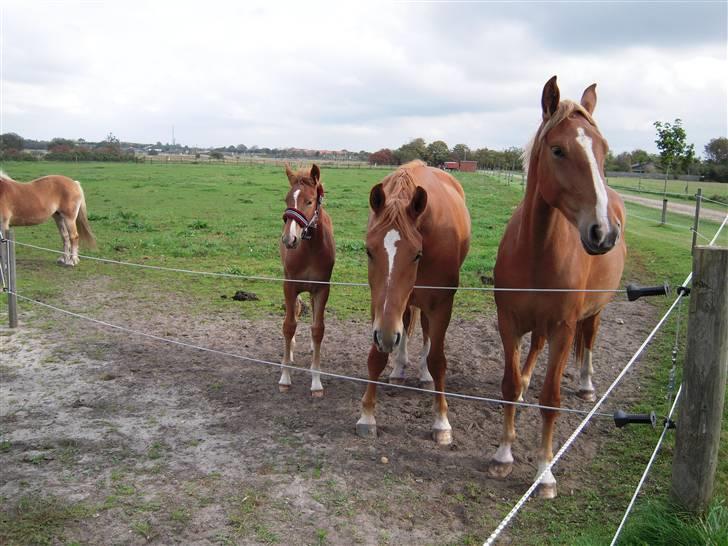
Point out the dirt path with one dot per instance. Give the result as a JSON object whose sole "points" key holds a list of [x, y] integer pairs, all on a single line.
{"points": [[678, 208], [142, 442]]}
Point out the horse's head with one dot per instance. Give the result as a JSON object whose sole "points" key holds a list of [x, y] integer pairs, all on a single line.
{"points": [[394, 248], [570, 167], [302, 205]]}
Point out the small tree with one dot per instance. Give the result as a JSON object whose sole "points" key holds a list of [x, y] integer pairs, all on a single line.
{"points": [[438, 152], [460, 152], [11, 141], [716, 151], [675, 152], [382, 157]]}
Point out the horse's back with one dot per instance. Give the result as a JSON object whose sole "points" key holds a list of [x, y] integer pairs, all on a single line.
{"points": [[31, 203]]}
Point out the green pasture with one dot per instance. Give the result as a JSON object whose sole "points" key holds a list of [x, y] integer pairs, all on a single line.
{"points": [[676, 189], [227, 218]]}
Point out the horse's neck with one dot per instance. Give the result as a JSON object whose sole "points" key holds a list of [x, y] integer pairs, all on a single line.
{"points": [[543, 226]]}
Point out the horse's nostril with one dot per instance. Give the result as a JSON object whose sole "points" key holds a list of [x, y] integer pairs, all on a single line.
{"points": [[376, 340], [397, 338]]}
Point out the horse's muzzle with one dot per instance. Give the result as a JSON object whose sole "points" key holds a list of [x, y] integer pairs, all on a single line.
{"points": [[596, 242], [386, 342]]}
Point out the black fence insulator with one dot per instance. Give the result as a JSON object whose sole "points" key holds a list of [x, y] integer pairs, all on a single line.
{"points": [[622, 419], [670, 423], [635, 291], [684, 290]]}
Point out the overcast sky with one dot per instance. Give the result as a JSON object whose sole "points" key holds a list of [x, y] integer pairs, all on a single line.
{"points": [[361, 75]]}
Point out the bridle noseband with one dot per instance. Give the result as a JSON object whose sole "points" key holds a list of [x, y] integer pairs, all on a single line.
{"points": [[300, 218]]}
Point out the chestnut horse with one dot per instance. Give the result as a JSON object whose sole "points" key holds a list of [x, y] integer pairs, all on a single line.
{"points": [[33, 203], [307, 252], [567, 233], [418, 234]]}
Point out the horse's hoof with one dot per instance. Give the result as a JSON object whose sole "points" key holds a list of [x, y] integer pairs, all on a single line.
{"points": [[497, 469], [442, 437], [366, 430], [317, 394], [427, 385], [396, 380], [587, 396], [546, 490], [283, 388]]}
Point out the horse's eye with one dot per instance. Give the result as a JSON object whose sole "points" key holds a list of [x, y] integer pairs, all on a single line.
{"points": [[309, 202], [557, 151], [419, 255]]}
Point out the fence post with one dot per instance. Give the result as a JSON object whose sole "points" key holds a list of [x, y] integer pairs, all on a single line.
{"points": [[7, 262], [704, 382], [698, 199], [664, 211]]}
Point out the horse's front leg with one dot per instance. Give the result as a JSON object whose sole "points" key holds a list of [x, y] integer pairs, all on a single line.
{"points": [[589, 328], [401, 356], [367, 425], [65, 259], [289, 334], [537, 342], [318, 302], [501, 464], [426, 381], [560, 341], [438, 318]]}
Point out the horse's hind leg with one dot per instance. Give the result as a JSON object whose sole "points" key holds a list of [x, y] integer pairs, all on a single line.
{"points": [[73, 237], [65, 259], [501, 463], [289, 333], [318, 302], [426, 381], [401, 356], [537, 342], [589, 326]]}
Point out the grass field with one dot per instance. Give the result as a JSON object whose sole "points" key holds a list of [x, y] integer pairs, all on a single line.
{"points": [[676, 189], [226, 218]]}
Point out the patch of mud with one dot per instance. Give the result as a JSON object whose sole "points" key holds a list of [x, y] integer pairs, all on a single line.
{"points": [[172, 445]]}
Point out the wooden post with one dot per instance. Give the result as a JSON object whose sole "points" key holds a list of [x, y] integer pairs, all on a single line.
{"points": [[664, 211], [7, 262], [696, 223], [700, 409]]}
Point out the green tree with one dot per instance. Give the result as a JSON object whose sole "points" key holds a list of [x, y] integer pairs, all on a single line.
{"points": [[414, 149], [716, 151], [460, 152], [675, 152], [11, 141], [437, 153]]}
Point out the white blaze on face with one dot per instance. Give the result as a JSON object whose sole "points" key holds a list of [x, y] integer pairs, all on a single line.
{"points": [[390, 245], [294, 224], [601, 207]]}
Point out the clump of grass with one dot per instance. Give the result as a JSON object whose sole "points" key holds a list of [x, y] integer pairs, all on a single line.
{"points": [[658, 522], [38, 520]]}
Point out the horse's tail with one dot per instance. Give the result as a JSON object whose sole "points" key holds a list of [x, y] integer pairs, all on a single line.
{"points": [[579, 343], [82, 225]]}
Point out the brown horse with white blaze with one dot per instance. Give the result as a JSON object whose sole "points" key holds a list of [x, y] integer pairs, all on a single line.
{"points": [[32, 203], [307, 251], [418, 234], [567, 233]]}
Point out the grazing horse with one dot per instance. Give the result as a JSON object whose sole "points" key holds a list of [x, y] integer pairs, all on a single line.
{"points": [[33, 203], [567, 233], [418, 234], [307, 251]]}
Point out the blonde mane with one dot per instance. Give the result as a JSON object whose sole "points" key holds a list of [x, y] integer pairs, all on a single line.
{"points": [[565, 109], [399, 189], [4, 176]]}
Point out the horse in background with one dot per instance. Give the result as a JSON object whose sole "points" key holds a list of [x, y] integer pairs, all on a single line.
{"points": [[32, 203], [567, 233], [307, 252], [418, 234]]}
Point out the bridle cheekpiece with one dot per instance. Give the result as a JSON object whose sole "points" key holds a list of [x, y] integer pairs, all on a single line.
{"points": [[297, 216]]}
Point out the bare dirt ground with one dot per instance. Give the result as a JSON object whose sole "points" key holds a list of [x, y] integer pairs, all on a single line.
{"points": [[152, 443], [678, 208]]}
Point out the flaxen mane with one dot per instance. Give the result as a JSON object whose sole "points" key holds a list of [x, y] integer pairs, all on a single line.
{"points": [[565, 109], [398, 188]]}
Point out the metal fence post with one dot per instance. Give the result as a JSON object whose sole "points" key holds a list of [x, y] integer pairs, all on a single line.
{"points": [[700, 409], [7, 263], [663, 218]]}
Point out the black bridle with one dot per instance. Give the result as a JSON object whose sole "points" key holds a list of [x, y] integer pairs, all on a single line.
{"points": [[297, 216]]}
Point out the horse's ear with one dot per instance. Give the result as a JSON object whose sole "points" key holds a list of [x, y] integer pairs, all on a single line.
{"points": [[589, 98], [376, 198], [418, 203], [315, 173], [550, 98], [290, 175]]}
